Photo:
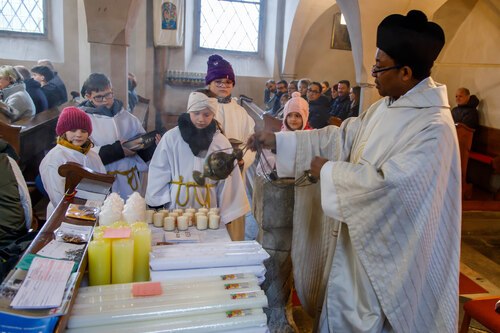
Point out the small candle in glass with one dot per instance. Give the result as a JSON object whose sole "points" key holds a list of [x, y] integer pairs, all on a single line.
{"points": [[201, 222], [169, 223], [182, 223], [189, 217], [149, 215], [213, 221], [203, 210], [158, 219], [179, 211]]}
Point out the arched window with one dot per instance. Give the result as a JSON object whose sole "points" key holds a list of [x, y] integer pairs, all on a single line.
{"points": [[23, 16], [230, 25]]}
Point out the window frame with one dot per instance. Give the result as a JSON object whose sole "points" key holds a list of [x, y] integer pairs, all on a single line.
{"points": [[203, 50], [32, 35]]}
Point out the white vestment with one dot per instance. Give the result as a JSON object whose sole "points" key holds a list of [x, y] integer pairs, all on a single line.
{"points": [[174, 159], [49, 170], [122, 127], [236, 124], [393, 183]]}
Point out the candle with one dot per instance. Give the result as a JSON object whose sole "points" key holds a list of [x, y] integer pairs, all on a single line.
{"points": [[190, 210], [190, 218], [122, 261], [215, 210], [139, 225], [142, 247], [169, 223], [173, 214], [164, 211], [213, 221], [99, 262], [158, 219], [203, 210], [201, 222], [179, 211], [182, 223], [149, 215]]}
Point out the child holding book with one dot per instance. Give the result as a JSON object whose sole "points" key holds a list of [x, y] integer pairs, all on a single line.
{"points": [[113, 125], [73, 130], [183, 150]]}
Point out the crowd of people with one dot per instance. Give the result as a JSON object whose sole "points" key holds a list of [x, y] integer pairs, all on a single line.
{"points": [[390, 194]]}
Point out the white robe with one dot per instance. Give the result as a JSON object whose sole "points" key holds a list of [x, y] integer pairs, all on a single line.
{"points": [[173, 158], [122, 127], [393, 182], [237, 124], [49, 170]]}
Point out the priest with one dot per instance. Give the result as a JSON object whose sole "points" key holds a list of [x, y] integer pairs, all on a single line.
{"points": [[389, 192]]}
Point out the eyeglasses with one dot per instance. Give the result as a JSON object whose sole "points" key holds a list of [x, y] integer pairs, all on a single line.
{"points": [[313, 91], [223, 84], [376, 69], [101, 98]]}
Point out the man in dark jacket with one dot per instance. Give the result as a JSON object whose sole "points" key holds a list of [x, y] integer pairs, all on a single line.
{"points": [[466, 110], [56, 81], [342, 104], [34, 89], [319, 106]]}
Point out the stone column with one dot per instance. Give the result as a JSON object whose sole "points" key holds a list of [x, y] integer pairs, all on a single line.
{"points": [[109, 23]]}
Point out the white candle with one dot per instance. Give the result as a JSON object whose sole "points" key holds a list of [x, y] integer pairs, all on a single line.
{"points": [[158, 219], [169, 223], [213, 222], [182, 223], [179, 211], [203, 210], [190, 218], [201, 222], [215, 210], [175, 215], [164, 211], [190, 210], [149, 215]]}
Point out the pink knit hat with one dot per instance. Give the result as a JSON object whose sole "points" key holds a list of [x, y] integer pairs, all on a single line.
{"points": [[296, 104], [72, 118]]}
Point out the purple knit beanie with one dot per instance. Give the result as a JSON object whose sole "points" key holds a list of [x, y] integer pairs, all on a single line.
{"points": [[218, 68], [72, 118]]}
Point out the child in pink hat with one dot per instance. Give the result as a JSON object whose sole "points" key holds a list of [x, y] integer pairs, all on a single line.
{"points": [[73, 145]]}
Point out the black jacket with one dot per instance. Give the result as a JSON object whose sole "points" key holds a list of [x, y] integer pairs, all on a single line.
{"points": [[467, 114]]}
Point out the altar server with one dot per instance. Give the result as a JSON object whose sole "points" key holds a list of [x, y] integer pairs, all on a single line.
{"points": [[73, 145], [183, 150], [390, 189]]}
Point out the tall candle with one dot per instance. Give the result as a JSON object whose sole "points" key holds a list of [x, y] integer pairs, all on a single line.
{"points": [[190, 218], [201, 222], [142, 247], [122, 261], [213, 221], [99, 262]]}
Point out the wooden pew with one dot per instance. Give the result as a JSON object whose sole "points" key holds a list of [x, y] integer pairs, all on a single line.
{"points": [[484, 158], [464, 135], [37, 136], [10, 133]]}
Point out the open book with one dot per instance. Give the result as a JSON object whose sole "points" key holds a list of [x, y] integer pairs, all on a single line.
{"points": [[90, 189]]}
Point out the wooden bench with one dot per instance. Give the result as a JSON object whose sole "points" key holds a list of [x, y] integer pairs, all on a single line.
{"points": [[464, 135], [484, 157]]}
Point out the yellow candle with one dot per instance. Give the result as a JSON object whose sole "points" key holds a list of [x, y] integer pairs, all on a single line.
{"points": [[122, 260], [139, 225], [142, 247], [99, 262], [119, 224]]}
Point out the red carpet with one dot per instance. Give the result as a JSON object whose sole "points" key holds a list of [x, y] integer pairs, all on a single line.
{"points": [[468, 286]]}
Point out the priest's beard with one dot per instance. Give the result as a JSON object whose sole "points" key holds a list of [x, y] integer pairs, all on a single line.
{"points": [[198, 139]]}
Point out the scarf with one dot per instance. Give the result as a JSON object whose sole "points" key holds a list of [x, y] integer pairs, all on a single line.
{"points": [[84, 149], [198, 139], [224, 100], [89, 107]]}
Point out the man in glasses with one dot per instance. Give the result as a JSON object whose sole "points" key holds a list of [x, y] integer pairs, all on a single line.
{"points": [[319, 106], [112, 126], [389, 197], [234, 122]]}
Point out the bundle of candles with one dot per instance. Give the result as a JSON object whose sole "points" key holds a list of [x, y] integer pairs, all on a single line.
{"points": [[189, 260], [119, 253], [114, 209], [182, 219], [202, 304]]}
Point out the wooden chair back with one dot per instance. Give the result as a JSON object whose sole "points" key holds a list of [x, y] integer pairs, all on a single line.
{"points": [[74, 173], [464, 135], [271, 123], [11, 134]]}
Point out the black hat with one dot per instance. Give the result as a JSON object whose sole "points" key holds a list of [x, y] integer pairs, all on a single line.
{"points": [[411, 40]]}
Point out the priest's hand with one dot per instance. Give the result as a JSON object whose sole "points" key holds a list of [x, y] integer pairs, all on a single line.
{"points": [[316, 165], [261, 140]]}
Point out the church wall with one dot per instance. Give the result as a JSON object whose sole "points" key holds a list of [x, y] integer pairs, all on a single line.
{"points": [[471, 60], [316, 60]]}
